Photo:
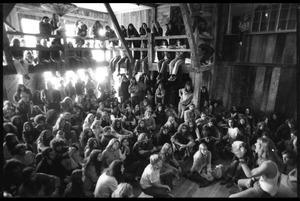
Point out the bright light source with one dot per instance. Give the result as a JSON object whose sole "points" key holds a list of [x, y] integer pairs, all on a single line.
{"points": [[20, 78], [102, 32], [98, 55], [100, 74], [81, 74], [30, 26], [47, 75], [70, 76]]}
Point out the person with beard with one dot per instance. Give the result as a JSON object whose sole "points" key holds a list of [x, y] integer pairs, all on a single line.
{"points": [[142, 149], [183, 142], [12, 176], [10, 141]]}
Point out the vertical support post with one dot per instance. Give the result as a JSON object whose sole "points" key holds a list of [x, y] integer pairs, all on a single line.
{"points": [[189, 32], [151, 52], [118, 31]]}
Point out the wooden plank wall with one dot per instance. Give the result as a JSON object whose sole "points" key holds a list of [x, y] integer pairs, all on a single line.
{"points": [[136, 18], [264, 89]]}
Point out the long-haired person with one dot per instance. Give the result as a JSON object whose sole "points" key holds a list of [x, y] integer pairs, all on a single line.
{"points": [[92, 169], [264, 180], [109, 179]]}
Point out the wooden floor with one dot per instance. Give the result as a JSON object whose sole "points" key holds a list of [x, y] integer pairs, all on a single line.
{"points": [[186, 188]]}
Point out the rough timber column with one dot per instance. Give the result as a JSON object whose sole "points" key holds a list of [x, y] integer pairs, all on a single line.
{"points": [[195, 73]]}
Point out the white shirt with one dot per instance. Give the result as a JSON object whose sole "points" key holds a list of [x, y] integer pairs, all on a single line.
{"points": [[105, 186]]}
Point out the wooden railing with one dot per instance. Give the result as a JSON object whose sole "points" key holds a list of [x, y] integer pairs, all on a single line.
{"points": [[150, 45]]}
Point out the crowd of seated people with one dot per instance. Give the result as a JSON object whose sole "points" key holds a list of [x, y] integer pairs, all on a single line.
{"points": [[56, 136], [88, 134]]}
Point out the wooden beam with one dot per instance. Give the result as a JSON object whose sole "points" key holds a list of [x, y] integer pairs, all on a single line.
{"points": [[152, 5], [189, 32], [119, 31], [273, 89], [6, 8]]}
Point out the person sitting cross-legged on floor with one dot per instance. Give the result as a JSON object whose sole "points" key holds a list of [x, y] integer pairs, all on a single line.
{"points": [[151, 179]]}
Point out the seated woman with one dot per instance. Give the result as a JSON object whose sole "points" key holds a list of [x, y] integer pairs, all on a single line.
{"points": [[84, 137], [172, 124], [202, 163], [92, 169], [170, 164], [89, 119], [108, 181], [261, 181], [91, 144], [149, 121], [111, 152], [129, 121], [117, 127], [44, 140]]}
